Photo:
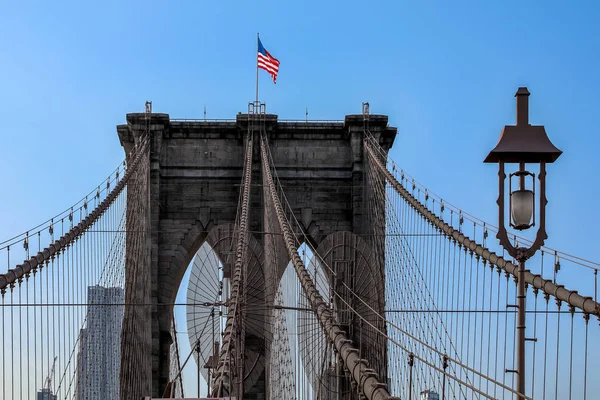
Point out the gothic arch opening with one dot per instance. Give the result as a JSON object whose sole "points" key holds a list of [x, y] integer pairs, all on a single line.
{"points": [[202, 294], [204, 290], [286, 372], [355, 274], [348, 278]]}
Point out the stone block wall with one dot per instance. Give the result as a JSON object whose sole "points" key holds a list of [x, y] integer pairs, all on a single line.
{"points": [[195, 176]]}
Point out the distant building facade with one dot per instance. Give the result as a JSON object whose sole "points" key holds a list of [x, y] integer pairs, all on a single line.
{"points": [[45, 394], [429, 395], [99, 357]]}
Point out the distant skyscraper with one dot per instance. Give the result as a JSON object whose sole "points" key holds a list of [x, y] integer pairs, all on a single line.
{"points": [[429, 395], [99, 357], [45, 394]]}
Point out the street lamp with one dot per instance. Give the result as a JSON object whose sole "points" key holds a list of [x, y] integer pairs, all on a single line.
{"points": [[522, 144]]}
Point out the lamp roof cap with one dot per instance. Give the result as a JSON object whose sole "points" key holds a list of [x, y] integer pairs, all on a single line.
{"points": [[523, 142]]}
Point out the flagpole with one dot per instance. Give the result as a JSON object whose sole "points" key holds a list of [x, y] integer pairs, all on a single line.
{"points": [[257, 39]]}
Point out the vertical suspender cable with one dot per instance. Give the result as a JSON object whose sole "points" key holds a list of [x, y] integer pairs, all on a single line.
{"points": [[587, 320], [559, 304], [370, 386], [229, 335]]}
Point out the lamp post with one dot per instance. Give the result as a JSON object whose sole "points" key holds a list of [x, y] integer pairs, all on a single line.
{"points": [[522, 144]]}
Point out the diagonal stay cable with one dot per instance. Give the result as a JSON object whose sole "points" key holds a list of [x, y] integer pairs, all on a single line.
{"points": [[78, 206], [580, 261], [425, 344], [223, 369], [368, 383], [393, 222], [74, 233], [427, 362], [586, 304]]}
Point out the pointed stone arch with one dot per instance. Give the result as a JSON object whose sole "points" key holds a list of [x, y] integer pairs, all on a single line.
{"points": [[175, 261], [356, 275], [195, 171], [220, 240]]}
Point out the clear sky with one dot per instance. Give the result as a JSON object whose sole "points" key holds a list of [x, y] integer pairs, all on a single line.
{"points": [[444, 71]]}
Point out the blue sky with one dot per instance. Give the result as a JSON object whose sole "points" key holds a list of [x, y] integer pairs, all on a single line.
{"points": [[445, 72]]}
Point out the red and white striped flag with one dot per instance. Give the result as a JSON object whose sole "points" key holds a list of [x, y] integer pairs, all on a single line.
{"points": [[267, 62]]}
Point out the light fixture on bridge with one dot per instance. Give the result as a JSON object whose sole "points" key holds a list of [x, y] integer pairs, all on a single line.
{"points": [[522, 144], [522, 200]]}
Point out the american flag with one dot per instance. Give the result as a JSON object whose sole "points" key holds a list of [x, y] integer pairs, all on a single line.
{"points": [[267, 62]]}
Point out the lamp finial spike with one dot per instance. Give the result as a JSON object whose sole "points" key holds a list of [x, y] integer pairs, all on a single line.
{"points": [[522, 96]]}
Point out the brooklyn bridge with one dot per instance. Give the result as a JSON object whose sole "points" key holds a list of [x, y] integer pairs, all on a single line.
{"points": [[316, 268]]}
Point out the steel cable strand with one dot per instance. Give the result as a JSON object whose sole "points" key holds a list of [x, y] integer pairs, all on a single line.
{"points": [[52, 279], [460, 364], [426, 345], [113, 276], [409, 263], [535, 283], [74, 233], [585, 304], [370, 341], [369, 385], [289, 284], [176, 359], [182, 366], [376, 215], [395, 222], [299, 230], [273, 261], [117, 244], [410, 260], [534, 288], [135, 370], [78, 206], [467, 385], [398, 299], [418, 294], [430, 252], [392, 220], [479, 222], [281, 338], [322, 262], [483, 298], [318, 259], [223, 369], [201, 292]]}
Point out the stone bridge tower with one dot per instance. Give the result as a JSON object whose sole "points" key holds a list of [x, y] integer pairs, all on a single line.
{"points": [[195, 176]]}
